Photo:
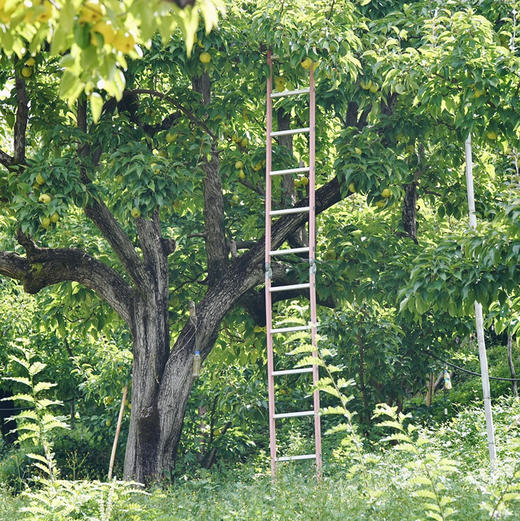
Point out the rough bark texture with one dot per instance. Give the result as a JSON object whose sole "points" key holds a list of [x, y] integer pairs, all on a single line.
{"points": [[215, 239], [162, 379], [20, 124], [362, 386], [409, 213], [289, 195]]}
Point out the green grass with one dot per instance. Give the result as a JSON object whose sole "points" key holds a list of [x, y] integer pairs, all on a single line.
{"points": [[381, 485], [383, 493]]}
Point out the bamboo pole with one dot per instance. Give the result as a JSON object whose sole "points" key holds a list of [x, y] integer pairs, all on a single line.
{"points": [[118, 430], [479, 322]]}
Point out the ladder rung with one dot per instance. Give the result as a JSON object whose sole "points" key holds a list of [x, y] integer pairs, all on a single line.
{"points": [[290, 287], [292, 458], [293, 371], [290, 329], [289, 250], [290, 170], [290, 93], [299, 209], [293, 414], [290, 131]]}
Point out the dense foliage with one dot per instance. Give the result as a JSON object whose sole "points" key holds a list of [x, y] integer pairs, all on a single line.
{"points": [[132, 209]]}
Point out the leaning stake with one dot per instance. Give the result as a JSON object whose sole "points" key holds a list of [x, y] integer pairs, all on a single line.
{"points": [[478, 318], [118, 430]]}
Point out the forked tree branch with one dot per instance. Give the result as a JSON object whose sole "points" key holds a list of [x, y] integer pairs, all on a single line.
{"points": [[42, 267], [111, 230]]}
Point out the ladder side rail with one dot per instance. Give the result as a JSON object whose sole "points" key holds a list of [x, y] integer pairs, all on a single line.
{"points": [[268, 302], [312, 264]]}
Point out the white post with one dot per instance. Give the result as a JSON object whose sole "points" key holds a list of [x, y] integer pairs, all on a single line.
{"points": [[478, 317]]}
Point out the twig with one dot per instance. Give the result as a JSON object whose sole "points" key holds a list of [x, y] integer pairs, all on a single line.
{"points": [[176, 104]]}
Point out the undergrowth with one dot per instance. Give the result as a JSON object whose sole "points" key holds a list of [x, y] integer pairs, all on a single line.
{"points": [[411, 474]]}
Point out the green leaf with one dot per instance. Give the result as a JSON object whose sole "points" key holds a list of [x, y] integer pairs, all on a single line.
{"points": [[23, 397], [96, 104], [424, 493], [43, 386], [38, 457], [36, 367], [391, 423]]}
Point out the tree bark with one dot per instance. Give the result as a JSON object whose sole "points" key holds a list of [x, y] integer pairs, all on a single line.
{"points": [[409, 212], [362, 386], [289, 196], [511, 364]]}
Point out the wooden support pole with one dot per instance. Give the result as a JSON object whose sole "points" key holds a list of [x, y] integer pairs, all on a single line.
{"points": [[118, 431], [479, 321]]}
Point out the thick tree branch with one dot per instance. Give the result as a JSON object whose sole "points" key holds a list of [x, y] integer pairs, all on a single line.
{"points": [[5, 159], [107, 224], [100, 215], [214, 236], [44, 267], [20, 124], [243, 273]]}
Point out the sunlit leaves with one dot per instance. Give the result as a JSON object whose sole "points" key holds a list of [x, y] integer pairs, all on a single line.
{"points": [[94, 38]]}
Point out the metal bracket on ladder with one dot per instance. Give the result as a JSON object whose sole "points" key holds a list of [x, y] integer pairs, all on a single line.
{"points": [[311, 285]]}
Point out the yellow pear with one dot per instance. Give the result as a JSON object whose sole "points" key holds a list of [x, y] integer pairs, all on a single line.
{"points": [[123, 41], [205, 57], [106, 30], [91, 12], [306, 64], [47, 12]]}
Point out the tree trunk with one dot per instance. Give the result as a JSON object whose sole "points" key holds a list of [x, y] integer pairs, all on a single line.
{"points": [[409, 211], [289, 195], [362, 386], [511, 363], [430, 390], [142, 458]]}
